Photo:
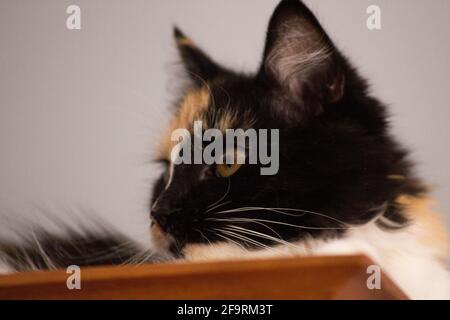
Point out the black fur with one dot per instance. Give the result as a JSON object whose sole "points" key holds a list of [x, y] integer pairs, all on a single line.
{"points": [[336, 152], [336, 157], [44, 250]]}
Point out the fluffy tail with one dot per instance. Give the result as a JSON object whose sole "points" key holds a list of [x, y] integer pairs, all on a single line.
{"points": [[46, 251]]}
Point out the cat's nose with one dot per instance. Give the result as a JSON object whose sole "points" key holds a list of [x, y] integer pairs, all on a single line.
{"points": [[163, 214]]}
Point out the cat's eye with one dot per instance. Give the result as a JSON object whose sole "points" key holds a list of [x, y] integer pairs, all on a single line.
{"points": [[227, 170]]}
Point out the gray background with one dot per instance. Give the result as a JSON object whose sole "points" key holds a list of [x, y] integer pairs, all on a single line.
{"points": [[81, 111]]}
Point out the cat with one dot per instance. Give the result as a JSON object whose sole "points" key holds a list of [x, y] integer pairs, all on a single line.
{"points": [[344, 184]]}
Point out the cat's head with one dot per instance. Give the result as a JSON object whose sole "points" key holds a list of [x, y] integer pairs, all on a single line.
{"points": [[337, 164]]}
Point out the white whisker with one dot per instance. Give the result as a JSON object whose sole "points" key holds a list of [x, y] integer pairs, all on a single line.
{"points": [[223, 197], [274, 222], [229, 239], [245, 239], [218, 206], [203, 236], [279, 210], [261, 235]]}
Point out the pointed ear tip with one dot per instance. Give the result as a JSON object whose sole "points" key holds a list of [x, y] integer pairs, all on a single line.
{"points": [[181, 39], [291, 6], [290, 2], [177, 33]]}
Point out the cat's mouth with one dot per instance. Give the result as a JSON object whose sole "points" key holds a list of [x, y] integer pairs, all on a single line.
{"points": [[165, 242]]}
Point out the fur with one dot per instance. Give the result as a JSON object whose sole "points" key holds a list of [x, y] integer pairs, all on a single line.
{"points": [[345, 185]]}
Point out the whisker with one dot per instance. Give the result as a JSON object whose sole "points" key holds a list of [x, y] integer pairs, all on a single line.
{"points": [[274, 222], [229, 239], [312, 212], [218, 206], [245, 239], [278, 210], [261, 235], [223, 197], [266, 226], [203, 236]]}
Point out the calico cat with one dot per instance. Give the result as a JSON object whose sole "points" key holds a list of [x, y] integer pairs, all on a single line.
{"points": [[344, 184]]}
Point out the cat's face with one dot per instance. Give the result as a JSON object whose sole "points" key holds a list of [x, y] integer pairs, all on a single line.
{"points": [[337, 165]]}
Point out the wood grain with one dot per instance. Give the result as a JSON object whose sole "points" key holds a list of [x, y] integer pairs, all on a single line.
{"points": [[294, 278]]}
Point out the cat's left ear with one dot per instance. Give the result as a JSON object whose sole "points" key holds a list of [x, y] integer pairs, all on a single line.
{"points": [[301, 67], [199, 66]]}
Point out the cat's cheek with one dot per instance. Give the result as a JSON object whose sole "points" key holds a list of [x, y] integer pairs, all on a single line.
{"points": [[159, 238]]}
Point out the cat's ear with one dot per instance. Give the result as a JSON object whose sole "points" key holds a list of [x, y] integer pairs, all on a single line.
{"points": [[301, 66], [199, 66]]}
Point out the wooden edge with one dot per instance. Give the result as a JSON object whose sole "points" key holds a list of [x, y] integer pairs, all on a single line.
{"points": [[341, 277]]}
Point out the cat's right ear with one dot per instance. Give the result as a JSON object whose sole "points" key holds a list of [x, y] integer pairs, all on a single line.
{"points": [[199, 66], [301, 68]]}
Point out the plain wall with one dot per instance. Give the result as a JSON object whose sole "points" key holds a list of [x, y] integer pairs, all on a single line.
{"points": [[81, 111]]}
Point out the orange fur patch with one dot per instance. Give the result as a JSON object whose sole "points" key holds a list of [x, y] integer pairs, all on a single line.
{"points": [[427, 224], [186, 42], [158, 237], [191, 109], [396, 177]]}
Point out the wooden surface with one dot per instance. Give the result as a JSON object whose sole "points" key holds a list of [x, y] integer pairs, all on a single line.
{"points": [[296, 278]]}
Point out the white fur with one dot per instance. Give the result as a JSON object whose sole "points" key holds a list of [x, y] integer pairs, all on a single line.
{"points": [[408, 262], [411, 264]]}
